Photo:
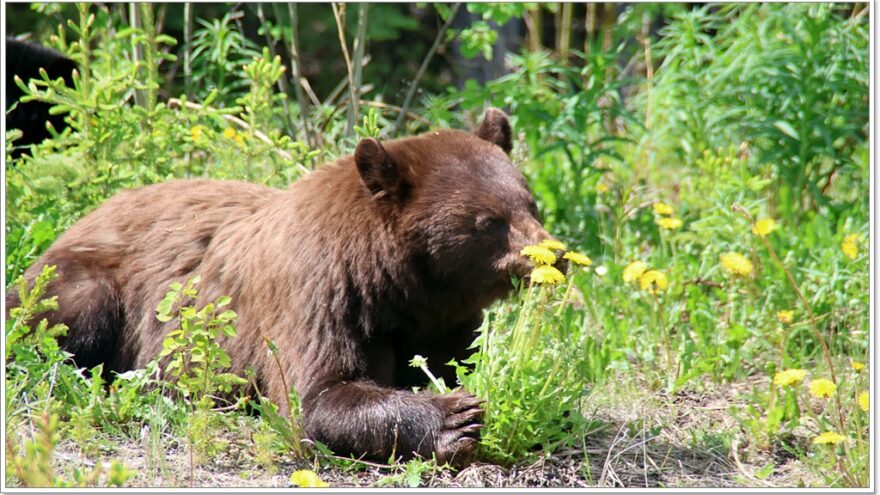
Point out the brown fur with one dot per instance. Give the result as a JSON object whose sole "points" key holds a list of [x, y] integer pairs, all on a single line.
{"points": [[351, 271]]}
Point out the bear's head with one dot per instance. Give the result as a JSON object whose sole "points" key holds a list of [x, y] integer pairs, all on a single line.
{"points": [[458, 204]]}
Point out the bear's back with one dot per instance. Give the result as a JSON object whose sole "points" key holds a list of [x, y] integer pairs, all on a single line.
{"points": [[158, 213]]}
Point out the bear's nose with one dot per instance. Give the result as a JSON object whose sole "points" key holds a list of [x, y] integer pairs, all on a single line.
{"points": [[561, 264]]}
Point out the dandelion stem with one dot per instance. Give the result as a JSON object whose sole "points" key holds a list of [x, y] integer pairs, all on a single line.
{"points": [[521, 318], [294, 427], [553, 371], [536, 320], [658, 314], [565, 296], [440, 386]]}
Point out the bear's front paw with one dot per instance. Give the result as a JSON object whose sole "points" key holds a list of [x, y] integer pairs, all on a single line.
{"points": [[460, 432]]}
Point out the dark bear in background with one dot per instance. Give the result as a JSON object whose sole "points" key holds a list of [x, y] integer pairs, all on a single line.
{"points": [[354, 269], [24, 59]]}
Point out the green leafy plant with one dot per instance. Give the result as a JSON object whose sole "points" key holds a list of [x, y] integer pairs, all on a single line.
{"points": [[410, 474], [371, 125], [195, 358], [478, 38], [113, 143], [288, 430], [789, 80], [261, 102], [218, 50], [526, 367], [38, 373]]}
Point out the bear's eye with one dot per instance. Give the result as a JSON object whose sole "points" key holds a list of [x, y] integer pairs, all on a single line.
{"points": [[487, 223], [533, 209]]}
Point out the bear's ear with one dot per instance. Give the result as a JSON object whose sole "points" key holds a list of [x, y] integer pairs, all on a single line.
{"points": [[378, 171], [496, 129]]}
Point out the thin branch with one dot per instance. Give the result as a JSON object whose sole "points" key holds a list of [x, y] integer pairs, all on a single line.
{"points": [[339, 15], [360, 42], [135, 22], [589, 26], [564, 30], [415, 82], [296, 69], [342, 102], [309, 91], [187, 48], [533, 27], [343, 84]]}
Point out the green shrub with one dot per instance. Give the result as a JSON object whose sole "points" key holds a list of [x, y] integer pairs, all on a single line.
{"points": [[789, 81]]}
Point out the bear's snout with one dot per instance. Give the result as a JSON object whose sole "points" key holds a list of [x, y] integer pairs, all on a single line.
{"points": [[525, 231]]}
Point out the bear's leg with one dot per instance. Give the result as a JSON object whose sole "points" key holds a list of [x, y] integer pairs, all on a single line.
{"points": [[88, 303], [361, 418]]}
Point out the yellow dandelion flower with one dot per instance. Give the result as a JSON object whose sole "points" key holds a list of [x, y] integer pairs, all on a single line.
{"points": [[669, 223], [785, 316], [229, 133], [601, 188], [547, 275], [663, 209], [849, 247], [578, 258], [239, 140], [822, 388], [856, 365], [736, 264], [539, 255], [864, 401], [653, 281], [553, 245], [197, 131], [764, 227], [305, 478], [633, 271], [789, 377], [829, 438]]}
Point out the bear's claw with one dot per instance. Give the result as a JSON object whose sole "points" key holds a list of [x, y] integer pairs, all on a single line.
{"points": [[460, 434]]}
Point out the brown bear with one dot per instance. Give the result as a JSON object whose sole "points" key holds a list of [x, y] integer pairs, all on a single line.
{"points": [[354, 269]]}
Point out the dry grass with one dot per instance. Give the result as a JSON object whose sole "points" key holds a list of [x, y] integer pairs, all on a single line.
{"points": [[641, 438]]}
